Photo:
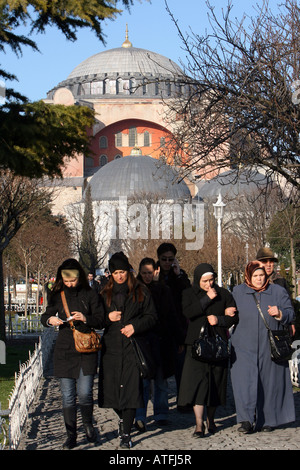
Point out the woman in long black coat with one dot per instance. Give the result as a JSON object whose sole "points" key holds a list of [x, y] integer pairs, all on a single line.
{"points": [[75, 370], [165, 340], [129, 311], [204, 384]]}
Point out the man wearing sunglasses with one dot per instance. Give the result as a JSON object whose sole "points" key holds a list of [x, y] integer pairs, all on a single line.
{"points": [[170, 273]]}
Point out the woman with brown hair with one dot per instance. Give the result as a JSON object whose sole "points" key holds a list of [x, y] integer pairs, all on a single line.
{"points": [[262, 388], [129, 311]]}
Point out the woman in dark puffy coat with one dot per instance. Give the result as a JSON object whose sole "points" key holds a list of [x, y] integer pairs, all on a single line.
{"points": [[203, 385], [129, 311], [75, 370]]}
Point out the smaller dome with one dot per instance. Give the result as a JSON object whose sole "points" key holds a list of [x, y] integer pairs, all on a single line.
{"points": [[139, 174], [231, 184]]}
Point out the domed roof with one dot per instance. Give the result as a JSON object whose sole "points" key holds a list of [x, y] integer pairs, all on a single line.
{"points": [[142, 174], [231, 184], [128, 61], [127, 71]]}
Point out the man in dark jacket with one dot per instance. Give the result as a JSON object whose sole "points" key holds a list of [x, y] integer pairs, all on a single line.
{"points": [[93, 283], [173, 276], [268, 259]]}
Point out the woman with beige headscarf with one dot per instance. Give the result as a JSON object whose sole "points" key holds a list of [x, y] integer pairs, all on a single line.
{"points": [[262, 388], [75, 370]]}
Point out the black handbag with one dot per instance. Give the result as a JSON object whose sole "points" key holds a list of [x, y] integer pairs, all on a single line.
{"points": [[210, 347], [280, 340], [144, 358]]}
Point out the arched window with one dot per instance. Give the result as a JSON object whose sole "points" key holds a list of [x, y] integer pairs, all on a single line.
{"points": [[132, 136], [103, 142], [118, 156], [102, 160], [106, 88], [146, 139], [118, 139]]}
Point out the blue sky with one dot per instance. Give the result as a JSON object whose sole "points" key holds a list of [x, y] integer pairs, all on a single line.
{"points": [[150, 27]]}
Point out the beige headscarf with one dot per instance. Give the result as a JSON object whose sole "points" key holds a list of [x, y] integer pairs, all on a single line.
{"points": [[69, 273]]}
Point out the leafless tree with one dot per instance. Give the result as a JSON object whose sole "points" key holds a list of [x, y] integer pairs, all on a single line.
{"points": [[243, 108]]}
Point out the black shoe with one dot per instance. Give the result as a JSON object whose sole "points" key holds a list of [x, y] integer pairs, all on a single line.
{"points": [[267, 429], [126, 442], [87, 419], [140, 425], [70, 443], [90, 433], [199, 434], [245, 427], [71, 428]]}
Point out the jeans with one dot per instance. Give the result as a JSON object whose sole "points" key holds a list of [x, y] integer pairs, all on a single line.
{"points": [[83, 387], [160, 400]]}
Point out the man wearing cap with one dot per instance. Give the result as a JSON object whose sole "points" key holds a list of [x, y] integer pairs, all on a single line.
{"points": [[266, 256]]}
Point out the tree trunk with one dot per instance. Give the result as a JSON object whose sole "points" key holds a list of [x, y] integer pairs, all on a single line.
{"points": [[2, 309], [293, 268]]}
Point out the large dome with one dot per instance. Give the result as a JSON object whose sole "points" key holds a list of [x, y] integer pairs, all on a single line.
{"points": [[128, 61], [127, 71], [132, 175]]}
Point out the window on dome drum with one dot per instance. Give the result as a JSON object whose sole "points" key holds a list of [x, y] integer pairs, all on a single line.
{"points": [[146, 139], [162, 141], [97, 88], [102, 160], [119, 86], [144, 87], [106, 86], [86, 88], [168, 87], [118, 139], [132, 136], [103, 142], [117, 156]]}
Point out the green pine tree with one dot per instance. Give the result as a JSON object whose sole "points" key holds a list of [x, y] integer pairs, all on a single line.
{"points": [[88, 257]]}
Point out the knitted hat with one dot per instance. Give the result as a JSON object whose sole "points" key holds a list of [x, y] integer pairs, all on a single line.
{"points": [[119, 261], [266, 253]]}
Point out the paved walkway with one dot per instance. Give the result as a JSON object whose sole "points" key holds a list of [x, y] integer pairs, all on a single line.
{"points": [[45, 428]]}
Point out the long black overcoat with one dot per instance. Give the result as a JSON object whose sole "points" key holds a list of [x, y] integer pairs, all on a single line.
{"points": [[67, 361], [120, 385], [204, 383]]}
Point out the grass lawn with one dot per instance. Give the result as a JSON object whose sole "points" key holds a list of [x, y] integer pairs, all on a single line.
{"points": [[17, 351]]}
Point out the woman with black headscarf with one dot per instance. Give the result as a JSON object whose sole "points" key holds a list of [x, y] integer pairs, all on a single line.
{"points": [[262, 388], [204, 384], [129, 311]]}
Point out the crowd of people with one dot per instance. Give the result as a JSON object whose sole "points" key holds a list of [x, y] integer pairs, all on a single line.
{"points": [[161, 306]]}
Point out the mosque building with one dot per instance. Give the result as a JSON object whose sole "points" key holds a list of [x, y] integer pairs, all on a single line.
{"points": [[127, 87]]}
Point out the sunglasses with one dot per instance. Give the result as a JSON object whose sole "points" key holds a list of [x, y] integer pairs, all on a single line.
{"points": [[163, 258]]}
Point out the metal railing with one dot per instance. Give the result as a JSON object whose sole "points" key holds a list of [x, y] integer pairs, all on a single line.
{"points": [[26, 384], [23, 325]]}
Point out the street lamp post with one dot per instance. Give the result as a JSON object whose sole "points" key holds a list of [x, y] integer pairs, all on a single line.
{"points": [[219, 213]]}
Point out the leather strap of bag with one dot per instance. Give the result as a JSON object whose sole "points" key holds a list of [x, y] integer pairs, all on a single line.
{"points": [[66, 308], [261, 314]]}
